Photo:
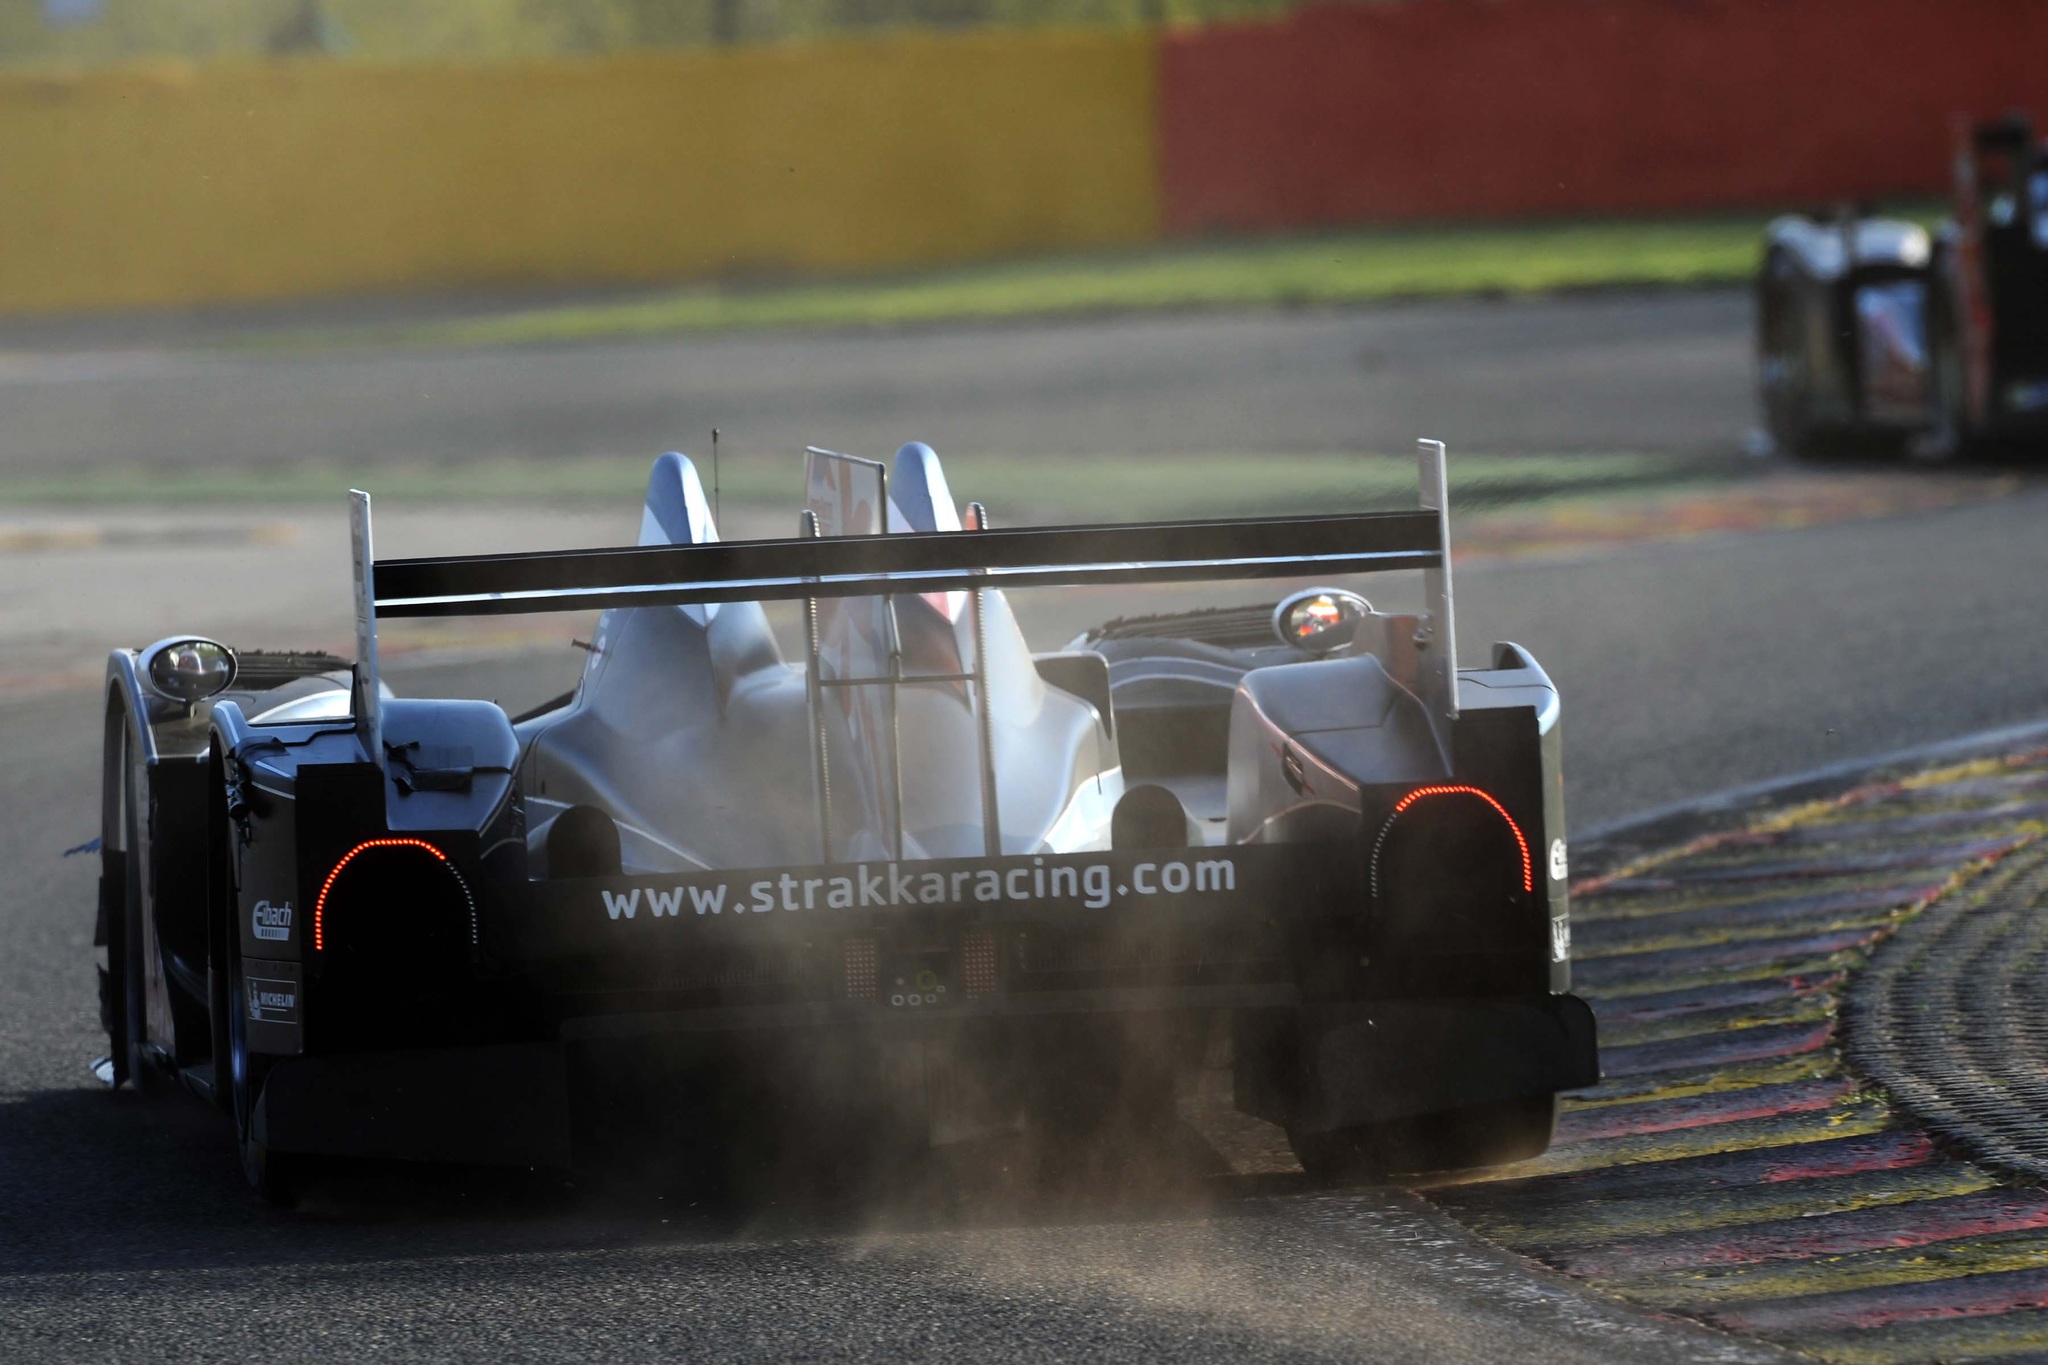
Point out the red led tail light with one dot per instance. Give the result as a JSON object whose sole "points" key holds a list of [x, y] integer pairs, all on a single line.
{"points": [[320, 902], [1420, 793]]}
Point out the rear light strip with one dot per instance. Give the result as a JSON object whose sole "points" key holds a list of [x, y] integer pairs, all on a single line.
{"points": [[1528, 864], [320, 902]]}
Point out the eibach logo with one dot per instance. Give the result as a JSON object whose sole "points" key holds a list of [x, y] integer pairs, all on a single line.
{"points": [[269, 921]]}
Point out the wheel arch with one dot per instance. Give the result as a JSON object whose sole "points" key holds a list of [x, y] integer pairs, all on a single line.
{"points": [[222, 919], [127, 743]]}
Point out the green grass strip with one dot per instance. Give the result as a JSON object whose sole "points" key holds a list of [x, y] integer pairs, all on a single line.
{"points": [[1353, 267]]}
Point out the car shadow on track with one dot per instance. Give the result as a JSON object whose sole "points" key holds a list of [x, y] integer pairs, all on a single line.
{"points": [[98, 1182]]}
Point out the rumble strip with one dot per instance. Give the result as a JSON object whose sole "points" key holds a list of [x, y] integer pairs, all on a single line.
{"points": [[1734, 1166]]}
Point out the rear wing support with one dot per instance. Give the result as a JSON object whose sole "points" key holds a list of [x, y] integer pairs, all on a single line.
{"points": [[368, 701], [810, 527], [991, 817], [1438, 639], [814, 696]]}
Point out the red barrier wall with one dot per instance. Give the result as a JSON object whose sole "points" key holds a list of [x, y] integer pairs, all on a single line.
{"points": [[1423, 108]]}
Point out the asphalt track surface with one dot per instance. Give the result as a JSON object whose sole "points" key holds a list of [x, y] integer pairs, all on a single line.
{"points": [[1627, 372], [125, 1231]]}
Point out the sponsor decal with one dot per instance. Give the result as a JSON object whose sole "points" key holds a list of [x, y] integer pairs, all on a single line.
{"points": [[1560, 940], [271, 1001], [271, 920], [1558, 864], [865, 886]]}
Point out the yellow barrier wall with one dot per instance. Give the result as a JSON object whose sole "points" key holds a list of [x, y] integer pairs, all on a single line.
{"points": [[164, 187]]}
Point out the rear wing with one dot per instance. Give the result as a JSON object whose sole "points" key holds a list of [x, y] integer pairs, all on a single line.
{"points": [[939, 561], [805, 568]]}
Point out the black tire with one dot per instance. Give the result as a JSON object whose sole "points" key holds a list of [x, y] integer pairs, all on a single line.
{"points": [[1483, 1135], [1455, 1140], [1347, 1156], [279, 1178], [1949, 433], [1782, 379]]}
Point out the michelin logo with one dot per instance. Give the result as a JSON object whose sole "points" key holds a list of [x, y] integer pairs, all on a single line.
{"points": [[272, 922], [273, 1002]]}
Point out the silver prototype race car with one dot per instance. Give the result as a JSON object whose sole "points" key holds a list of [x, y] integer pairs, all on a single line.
{"points": [[1875, 331], [920, 879]]}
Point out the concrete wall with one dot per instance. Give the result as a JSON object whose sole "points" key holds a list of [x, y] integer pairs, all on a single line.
{"points": [[180, 186], [1498, 108], [126, 188]]}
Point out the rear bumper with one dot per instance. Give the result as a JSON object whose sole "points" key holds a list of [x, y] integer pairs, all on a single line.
{"points": [[1314, 1067], [522, 1105], [878, 1020]]}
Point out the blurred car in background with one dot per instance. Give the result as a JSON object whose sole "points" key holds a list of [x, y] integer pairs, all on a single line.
{"points": [[1876, 332]]}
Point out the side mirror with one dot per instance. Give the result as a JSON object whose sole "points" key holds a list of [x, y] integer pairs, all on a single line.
{"points": [[1320, 619], [187, 669]]}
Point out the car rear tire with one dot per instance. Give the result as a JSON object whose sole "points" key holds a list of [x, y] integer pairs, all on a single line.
{"points": [[1782, 380], [1496, 1134], [1949, 434], [1347, 1156]]}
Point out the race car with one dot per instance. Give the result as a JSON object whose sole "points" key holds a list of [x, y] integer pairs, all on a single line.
{"points": [[918, 880], [1873, 331]]}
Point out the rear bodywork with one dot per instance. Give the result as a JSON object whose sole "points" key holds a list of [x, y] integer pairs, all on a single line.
{"points": [[1878, 330], [915, 869]]}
